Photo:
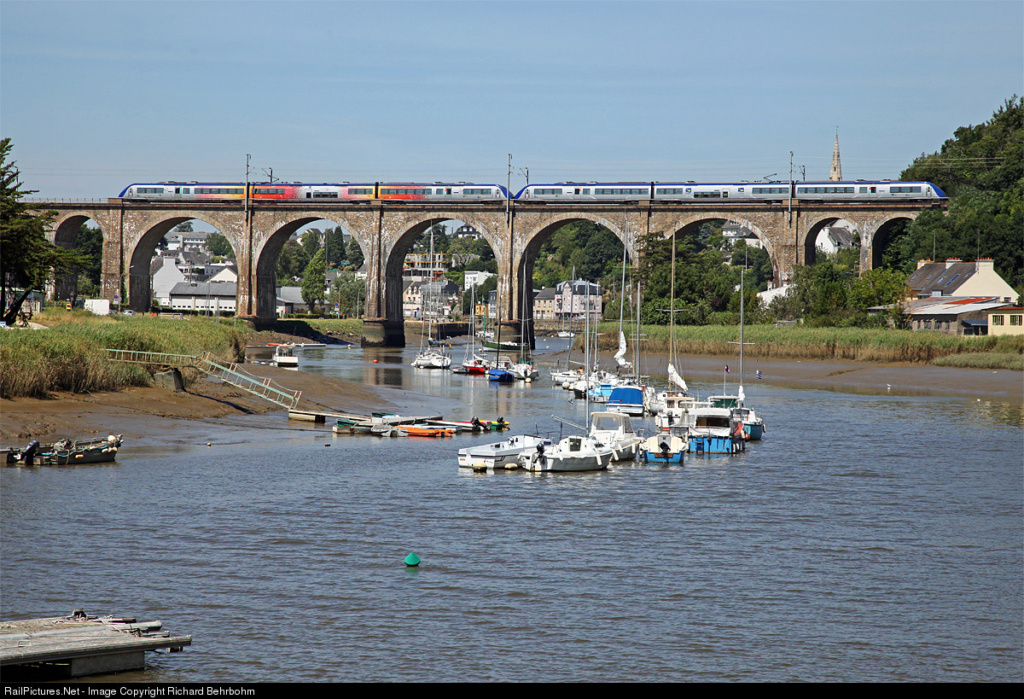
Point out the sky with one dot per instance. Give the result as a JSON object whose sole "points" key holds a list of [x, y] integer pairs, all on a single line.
{"points": [[98, 95]]}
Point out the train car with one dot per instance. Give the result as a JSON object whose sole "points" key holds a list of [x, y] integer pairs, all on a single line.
{"points": [[184, 190], [867, 190], [707, 193], [440, 191], [282, 191], [586, 191]]}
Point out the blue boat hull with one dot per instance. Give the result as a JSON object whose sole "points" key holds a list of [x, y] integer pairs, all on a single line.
{"points": [[656, 458], [699, 444]]}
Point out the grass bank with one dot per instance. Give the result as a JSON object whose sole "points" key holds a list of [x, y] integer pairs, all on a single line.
{"points": [[857, 344], [69, 355]]}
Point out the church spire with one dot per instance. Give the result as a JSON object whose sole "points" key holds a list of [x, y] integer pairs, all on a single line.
{"points": [[836, 174]]}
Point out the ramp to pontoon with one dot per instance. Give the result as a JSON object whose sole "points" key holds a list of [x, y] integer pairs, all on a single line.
{"points": [[208, 364]]}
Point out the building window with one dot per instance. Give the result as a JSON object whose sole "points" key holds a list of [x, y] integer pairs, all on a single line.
{"points": [[998, 319], [1016, 320]]}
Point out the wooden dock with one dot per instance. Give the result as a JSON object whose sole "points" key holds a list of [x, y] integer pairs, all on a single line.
{"points": [[80, 645], [332, 418]]}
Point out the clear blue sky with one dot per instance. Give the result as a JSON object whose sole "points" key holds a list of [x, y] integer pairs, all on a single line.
{"points": [[96, 95]]}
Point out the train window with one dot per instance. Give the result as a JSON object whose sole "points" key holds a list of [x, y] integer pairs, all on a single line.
{"points": [[619, 190], [707, 195], [905, 190], [151, 190], [325, 195], [540, 191]]}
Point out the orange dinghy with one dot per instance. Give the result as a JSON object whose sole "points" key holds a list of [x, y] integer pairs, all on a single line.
{"points": [[428, 431]]}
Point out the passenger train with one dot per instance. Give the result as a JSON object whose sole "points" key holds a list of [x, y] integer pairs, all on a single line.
{"points": [[578, 192]]}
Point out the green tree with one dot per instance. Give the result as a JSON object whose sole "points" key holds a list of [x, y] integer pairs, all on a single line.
{"points": [[314, 281], [981, 170], [218, 245], [89, 244], [355, 255], [349, 293], [334, 247], [29, 260]]}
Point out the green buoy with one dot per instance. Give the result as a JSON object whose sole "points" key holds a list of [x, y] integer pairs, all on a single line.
{"points": [[412, 560]]}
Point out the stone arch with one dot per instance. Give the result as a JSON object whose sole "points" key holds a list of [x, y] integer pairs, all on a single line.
{"points": [[872, 254], [267, 250], [809, 243], [63, 232], [142, 238], [518, 281], [405, 234], [690, 222]]}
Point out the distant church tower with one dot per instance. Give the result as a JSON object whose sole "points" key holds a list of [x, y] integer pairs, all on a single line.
{"points": [[836, 173]]}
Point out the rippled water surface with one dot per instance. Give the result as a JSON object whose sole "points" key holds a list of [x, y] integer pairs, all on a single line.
{"points": [[871, 538]]}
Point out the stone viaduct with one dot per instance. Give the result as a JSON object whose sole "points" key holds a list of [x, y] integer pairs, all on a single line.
{"points": [[385, 231]]}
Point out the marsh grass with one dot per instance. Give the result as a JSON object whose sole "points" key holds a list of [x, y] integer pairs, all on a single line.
{"points": [[70, 356], [857, 344]]}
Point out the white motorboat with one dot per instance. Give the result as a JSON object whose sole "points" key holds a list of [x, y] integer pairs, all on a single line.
{"points": [[284, 356], [676, 410], [615, 430], [501, 454], [575, 453], [711, 422]]}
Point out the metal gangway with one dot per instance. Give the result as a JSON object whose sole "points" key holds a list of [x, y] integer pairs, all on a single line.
{"points": [[208, 364]]}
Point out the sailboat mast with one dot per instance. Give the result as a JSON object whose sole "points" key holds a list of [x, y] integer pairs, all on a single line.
{"points": [[742, 301], [672, 309]]}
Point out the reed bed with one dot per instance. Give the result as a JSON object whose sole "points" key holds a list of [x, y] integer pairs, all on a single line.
{"points": [[793, 342], [70, 355]]}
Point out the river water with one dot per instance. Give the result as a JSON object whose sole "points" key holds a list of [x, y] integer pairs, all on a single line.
{"points": [[866, 538]]}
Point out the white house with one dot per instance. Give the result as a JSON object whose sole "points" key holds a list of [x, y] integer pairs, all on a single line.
{"points": [[203, 297], [476, 279]]}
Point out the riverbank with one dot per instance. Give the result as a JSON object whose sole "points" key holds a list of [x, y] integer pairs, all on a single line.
{"points": [[871, 378], [161, 415]]}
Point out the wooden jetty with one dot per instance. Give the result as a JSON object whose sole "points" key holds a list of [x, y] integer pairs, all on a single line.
{"points": [[332, 418], [80, 645]]}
